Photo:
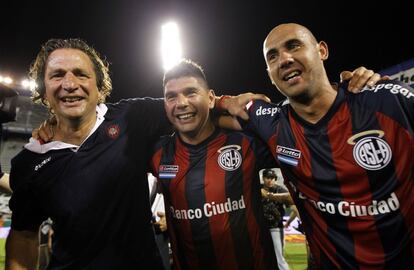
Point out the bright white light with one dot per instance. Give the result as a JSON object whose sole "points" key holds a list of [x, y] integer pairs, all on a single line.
{"points": [[25, 83], [28, 84], [170, 45], [32, 85], [7, 80], [1, 79]]}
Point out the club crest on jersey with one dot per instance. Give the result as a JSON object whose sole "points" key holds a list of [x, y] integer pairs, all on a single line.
{"points": [[113, 131], [230, 158], [167, 171], [370, 151], [288, 155]]}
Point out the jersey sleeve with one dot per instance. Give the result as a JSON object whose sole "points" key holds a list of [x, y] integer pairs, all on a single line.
{"points": [[394, 99], [264, 158], [263, 118], [26, 210], [146, 115]]}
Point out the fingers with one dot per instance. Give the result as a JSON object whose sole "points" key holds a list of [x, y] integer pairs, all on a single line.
{"points": [[243, 115], [161, 214], [360, 78], [44, 133], [345, 75], [260, 97], [35, 134], [43, 136]]}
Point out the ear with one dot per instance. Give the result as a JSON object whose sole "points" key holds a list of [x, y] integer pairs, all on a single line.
{"points": [[323, 50], [270, 77], [211, 98]]}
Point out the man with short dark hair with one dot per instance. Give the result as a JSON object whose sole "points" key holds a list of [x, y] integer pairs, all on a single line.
{"points": [[210, 181]]}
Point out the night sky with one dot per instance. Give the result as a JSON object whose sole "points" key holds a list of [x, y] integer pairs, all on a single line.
{"points": [[225, 37]]}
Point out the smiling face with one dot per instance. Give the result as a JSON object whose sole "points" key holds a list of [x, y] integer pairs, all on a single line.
{"points": [[294, 60], [70, 83], [187, 104]]}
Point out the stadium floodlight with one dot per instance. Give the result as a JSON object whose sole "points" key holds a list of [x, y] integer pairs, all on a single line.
{"points": [[25, 83], [7, 80], [170, 45], [28, 84]]}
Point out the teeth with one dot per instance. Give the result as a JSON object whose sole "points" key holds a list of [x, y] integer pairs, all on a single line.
{"points": [[71, 99], [291, 75], [185, 116]]}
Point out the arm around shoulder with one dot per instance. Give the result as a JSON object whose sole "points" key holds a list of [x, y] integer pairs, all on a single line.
{"points": [[21, 250]]}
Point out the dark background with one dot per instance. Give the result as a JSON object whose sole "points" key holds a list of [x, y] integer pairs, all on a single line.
{"points": [[226, 37]]}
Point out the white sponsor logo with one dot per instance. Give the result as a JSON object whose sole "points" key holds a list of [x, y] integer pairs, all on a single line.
{"points": [[264, 111], [288, 151], [350, 208], [393, 88], [209, 209], [230, 158], [37, 167]]}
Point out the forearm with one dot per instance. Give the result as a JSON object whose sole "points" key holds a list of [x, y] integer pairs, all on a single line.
{"points": [[280, 197], [293, 214], [4, 184], [21, 250]]}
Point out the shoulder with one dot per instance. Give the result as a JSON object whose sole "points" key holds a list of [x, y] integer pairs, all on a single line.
{"points": [[385, 91], [265, 109], [165, 140], [144, 103], [23, 165], [165, 144]]}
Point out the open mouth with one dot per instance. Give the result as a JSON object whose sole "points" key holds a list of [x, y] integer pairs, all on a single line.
{"points": [[291, 75], [185, 116], [71, 99]]}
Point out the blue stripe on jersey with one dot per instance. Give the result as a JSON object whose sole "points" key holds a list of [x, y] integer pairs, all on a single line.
{"points": [[234, 190], [196, 200], [168, 156], [323, 168], [382, 183]]}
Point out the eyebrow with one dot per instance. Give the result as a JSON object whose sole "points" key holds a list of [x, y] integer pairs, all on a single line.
{"points": [[185, 91]]}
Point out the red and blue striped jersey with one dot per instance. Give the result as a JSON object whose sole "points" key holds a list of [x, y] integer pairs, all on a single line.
{"points": [[213, 202], [350, 174]]}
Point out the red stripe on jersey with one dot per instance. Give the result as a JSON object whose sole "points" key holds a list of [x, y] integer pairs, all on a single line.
{"points": [[307, 188], [215, 191], [355, 187], [252, 225], [402, 148], [178, 199]]}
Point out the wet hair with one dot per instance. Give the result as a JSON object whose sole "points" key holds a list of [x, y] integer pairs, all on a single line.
{"points": [[185, 68], [38, 67]]}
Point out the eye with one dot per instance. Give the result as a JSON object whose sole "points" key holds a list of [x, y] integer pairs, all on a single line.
{"points": [[56, 75], [272, 55], [170, 99], [293, 45]]}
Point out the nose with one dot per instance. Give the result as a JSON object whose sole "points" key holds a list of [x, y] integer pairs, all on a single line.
{"points": [[182, 100], [285, 59], [69, 82]]}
